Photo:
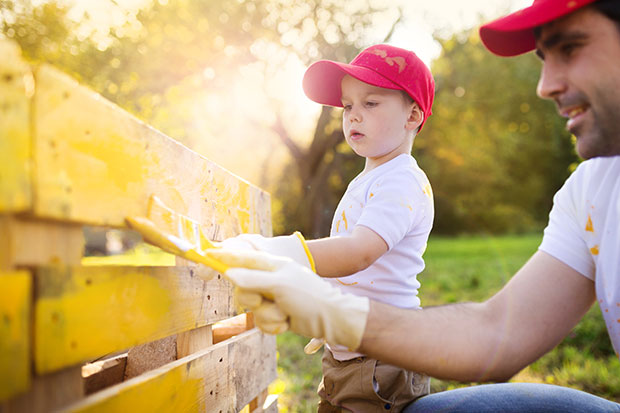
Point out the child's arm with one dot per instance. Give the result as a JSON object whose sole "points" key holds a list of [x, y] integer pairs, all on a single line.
{"points": [[345, 255]]}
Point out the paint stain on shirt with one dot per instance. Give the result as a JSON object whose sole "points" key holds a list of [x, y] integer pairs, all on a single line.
{"points": [[589, 226], [344, 283], [594, 250]]}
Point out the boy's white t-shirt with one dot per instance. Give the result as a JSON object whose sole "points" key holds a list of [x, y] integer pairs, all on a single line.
{"points": [[584, 232], [394, 200]]}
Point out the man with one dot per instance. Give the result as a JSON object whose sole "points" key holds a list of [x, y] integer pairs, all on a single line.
{"points": [[576, 264]]}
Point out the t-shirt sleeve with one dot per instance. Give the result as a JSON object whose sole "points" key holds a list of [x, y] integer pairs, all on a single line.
{"points": [[563, 237], [395, 203]]}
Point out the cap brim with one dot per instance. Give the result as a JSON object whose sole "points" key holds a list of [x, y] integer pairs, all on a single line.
{"points": [[514, 34], [322, 80]]}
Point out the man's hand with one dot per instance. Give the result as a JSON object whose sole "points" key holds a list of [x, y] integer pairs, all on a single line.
{"points": [[292, 246], [287, 294]]}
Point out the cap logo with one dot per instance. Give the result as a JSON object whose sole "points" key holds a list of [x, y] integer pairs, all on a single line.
{"points": [[400, 61], [571, 4]]}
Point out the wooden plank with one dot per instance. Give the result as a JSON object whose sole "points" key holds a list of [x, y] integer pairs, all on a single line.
{"points": [[149, 356], [48, 393], [211, 380], [195, 340], [82, 313], [16, 89], [104, 373], [102, 165], [15, 336], [254, 365], [33, 243]]}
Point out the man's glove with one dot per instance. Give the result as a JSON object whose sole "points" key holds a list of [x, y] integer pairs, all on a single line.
{"points": [[285, 294], [292, 246]]}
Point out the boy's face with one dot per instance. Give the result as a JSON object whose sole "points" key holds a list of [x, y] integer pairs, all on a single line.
{"points": [[377, 123], [581, 73]]}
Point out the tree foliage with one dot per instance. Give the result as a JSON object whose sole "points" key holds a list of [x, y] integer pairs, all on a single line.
{"points": [[495, 153]]}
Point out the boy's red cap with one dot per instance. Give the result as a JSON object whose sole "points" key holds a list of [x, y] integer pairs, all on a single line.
{"points": [[382, 65], [514, 34]]}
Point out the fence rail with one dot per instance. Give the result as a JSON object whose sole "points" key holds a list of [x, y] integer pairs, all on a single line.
{"points": [[77, 337]]}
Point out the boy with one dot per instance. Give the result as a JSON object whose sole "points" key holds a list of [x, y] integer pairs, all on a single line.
{"points": [[382, 223]]}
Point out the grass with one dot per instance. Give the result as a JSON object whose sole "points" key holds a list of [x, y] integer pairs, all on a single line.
{"points": [[472, 269]]}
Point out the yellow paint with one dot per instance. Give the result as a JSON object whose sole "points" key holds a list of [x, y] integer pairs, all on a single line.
{"points": [[178, 390], [344, 219], [589, 226], [103, 165], [177, 224], [84, 313], [344, 283], [428, 191], [173, 244], [15, 338], [16, 88], [594, 250]]}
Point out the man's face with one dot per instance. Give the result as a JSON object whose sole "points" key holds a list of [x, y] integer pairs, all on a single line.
{"points": [[581, 73]]}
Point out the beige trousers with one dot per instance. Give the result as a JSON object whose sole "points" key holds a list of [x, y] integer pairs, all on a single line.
{"points": [[367, 385]]}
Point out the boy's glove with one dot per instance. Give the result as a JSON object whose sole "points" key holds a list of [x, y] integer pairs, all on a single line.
{"points": [[288, 293], [292, 246]]}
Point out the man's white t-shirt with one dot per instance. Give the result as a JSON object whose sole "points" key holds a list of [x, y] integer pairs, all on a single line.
{"points": [[394, 200], [584, 232]]}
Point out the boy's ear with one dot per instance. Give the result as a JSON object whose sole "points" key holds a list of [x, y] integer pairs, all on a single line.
{"points": [[416, 116]]}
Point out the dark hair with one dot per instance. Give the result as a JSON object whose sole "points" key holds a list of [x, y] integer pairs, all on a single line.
{"points": [[609, 8]]}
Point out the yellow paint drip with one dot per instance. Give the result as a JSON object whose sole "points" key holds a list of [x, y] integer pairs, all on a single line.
{"points": [[594, 250], [589, 226]]}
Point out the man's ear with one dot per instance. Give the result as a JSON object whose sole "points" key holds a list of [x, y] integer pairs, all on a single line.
{"points": [[416, 116]]}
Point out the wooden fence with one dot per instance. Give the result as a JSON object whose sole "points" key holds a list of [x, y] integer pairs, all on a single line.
{"points": [[77, 337]]}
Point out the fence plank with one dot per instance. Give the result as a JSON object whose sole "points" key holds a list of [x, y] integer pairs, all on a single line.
{"points": [[82, 313], [105, 164], [207, 381], [16, 88], [15, 308]]}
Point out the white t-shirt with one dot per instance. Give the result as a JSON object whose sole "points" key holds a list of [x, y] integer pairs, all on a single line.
{"points": [[584, 232], [394, 200]]}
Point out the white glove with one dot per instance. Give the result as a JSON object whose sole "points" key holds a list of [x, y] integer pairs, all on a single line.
{"points": [[292, 246], [314, 345], [286, 292]]}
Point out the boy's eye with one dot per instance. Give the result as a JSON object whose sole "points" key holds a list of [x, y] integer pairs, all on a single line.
{"points": [[371, 104], [346, 106]]}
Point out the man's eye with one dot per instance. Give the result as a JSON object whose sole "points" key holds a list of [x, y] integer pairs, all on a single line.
{"points": [[568, 49], [346, 107], [371, 104]]}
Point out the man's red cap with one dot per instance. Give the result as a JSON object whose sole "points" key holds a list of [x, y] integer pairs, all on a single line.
{"points": [[383, 66], [514, 34]]}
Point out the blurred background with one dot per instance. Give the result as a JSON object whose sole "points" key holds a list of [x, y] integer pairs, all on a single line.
{"points": [[224, 78]]}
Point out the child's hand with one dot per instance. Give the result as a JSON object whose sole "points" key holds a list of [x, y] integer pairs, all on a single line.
{"points": [[292, 246]]}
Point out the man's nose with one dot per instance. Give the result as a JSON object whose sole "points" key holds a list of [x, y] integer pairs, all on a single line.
{"points": [[552, 81]]}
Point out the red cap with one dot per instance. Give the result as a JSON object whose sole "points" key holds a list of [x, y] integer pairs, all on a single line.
{"points": [[382, 65], [513, 35]]}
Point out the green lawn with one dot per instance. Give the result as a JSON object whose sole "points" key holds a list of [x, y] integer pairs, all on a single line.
{"points": [[472, 269]]}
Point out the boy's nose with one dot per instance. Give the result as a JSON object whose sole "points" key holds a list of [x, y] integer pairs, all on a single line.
{"points": [[355, 115]]}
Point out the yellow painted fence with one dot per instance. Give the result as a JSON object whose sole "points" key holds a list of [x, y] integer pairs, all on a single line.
{"points": [[114, 338]]}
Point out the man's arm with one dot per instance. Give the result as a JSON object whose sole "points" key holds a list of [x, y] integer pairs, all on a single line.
{"points": [[346, 255], [484, 341]]}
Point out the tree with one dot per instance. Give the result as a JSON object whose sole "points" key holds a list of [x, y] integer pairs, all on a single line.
{"points": [[495, 153]]}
